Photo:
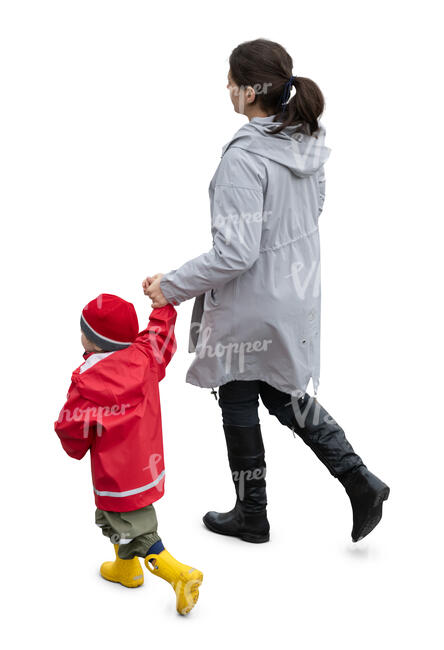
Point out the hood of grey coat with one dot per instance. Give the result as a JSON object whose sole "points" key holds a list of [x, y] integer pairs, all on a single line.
{"points": [[303, 154]]}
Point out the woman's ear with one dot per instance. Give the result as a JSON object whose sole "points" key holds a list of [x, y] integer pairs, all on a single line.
{"points": [[250, 94]]}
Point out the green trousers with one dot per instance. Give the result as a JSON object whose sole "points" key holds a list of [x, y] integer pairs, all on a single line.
{"points": [[135, 531]]}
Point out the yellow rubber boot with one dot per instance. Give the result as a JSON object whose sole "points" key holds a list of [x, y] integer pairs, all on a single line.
{"points": [[128, 573], [184, 579]]}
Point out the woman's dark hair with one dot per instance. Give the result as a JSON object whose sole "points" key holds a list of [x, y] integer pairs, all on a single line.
{"points": [[268, 68]]}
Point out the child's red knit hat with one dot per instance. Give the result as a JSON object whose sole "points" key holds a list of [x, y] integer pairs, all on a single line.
{"points": [[110, 322]]}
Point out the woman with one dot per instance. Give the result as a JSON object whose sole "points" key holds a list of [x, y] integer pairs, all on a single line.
{"points": [[256, 318]]}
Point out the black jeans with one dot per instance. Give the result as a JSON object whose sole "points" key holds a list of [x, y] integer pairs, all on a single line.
{"points": [[239, 401]]}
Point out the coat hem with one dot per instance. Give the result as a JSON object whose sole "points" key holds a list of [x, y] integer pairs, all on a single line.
{"points": [[228, 378]]}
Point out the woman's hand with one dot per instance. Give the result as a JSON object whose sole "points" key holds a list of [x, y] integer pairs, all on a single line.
{"points": [[151, 288]]}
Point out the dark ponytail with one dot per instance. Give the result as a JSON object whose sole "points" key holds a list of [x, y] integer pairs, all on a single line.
{"points": [[268, 68]]}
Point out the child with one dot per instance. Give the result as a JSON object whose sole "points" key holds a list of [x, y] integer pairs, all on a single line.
{"points": [[113, 410]]}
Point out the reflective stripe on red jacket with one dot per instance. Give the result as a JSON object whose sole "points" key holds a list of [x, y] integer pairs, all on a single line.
{"points": [[113, 409]]}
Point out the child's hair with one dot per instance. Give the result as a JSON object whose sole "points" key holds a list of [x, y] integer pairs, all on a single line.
{"points": [[92, 345], [268, 68]]}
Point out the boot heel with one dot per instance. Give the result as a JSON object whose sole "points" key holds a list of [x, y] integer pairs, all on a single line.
{"points": [[255, 539], [382, 496]]}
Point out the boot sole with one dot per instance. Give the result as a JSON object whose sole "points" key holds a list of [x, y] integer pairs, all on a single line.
{"points": [[245, 537], [193, 595], [117, 582], [375, 515]]}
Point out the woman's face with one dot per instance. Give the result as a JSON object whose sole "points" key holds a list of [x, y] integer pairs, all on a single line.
{"points": [[243, 98], [239, 96]]}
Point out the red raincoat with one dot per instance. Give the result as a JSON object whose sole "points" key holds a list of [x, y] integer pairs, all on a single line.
{"points": [[113, 409]]}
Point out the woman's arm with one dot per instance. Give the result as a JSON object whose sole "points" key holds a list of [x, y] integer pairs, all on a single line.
{"points": [[236, 225]]}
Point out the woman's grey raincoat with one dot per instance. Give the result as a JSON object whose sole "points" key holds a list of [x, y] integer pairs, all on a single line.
{"points": [[257, 311]]}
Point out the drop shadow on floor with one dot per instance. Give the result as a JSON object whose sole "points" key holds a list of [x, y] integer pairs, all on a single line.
{"points": [[358, 553]]}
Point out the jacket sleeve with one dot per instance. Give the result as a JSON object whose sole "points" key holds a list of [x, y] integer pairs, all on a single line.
{"points": [[76, 424], [237, 213], [321, 178], [159, 337]]}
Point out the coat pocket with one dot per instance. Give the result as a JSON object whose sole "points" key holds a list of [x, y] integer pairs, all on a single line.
{"points": [[211, 299]]}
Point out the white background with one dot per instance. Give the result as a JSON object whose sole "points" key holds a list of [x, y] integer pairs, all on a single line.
{"points": [[113, 116]]}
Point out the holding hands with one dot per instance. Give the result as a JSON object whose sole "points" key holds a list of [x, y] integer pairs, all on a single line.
{"points": [[151, 288]]}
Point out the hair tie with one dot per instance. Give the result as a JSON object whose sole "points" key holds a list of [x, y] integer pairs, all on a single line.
{"points": [[287, 92]]}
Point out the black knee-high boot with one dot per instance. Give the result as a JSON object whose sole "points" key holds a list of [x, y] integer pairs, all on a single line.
{"points": [[327, 439], [248, 519]]}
